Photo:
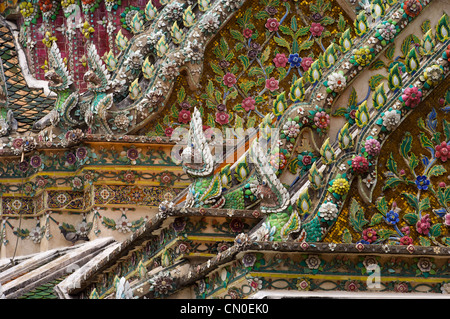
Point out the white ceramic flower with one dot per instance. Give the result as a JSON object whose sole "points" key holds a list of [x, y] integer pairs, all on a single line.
{"points": [[391, 119], [291, 128], [337, 81], [123, 224], [35, 235], [328, 211]]}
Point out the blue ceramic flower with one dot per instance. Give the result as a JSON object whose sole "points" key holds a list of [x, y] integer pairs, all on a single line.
{"points": [[392, 217], [422, 182], [294, 60]]}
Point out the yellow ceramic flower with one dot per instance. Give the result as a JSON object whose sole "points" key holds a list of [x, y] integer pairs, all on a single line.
{"points": [[340, 186], [362, 56]]}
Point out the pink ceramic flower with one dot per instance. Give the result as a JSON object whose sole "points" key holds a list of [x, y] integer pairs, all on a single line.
{"points": [[184, 116], [316, 29], [369, 235], [248, 103], [442, 151], [272, 24], [272, 84], [280, 60], [229, 79], [247, 33], [412, 96], [423, 225], [372, 146], [222, 117], [406, 230], [447, 219], [321, 119], [169, 131], [360, 164], [406, 240], [306, 63]]}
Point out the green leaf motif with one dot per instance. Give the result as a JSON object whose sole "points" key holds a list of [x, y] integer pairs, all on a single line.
{"points": [[425, 242], [425, 141], [424, 204], [435, 230], [411, 218], [306, 45], [384, 234], [405, 147], [392, 182], [375, 80], [357, 219], [352, 100], [286, 30], [376, 219], [216, 69], [378, 64], [437, 170], [391, 164], [341, 111], [389, 53], [282, 43], [382, 206], [347, 237], [412, 200], [413, 162], [244, 60], [238, 36]]}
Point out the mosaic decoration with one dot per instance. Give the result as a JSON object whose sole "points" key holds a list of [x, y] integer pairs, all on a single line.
{"points": [[346, 166]]}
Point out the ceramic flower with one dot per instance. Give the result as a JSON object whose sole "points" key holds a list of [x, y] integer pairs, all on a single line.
{"points": [[412, 7], [272, 84], [321, 119], [337, 81], [423, 225], [432, 75], [340, 186], [168, 131], [362, 56], [372, 147], [392, 217], [248, 104], [247, 33], [222, 117], [316, 29], [35, 161], [306, 63], [424, 264], [447, 219], [291, 129], [328, 211], [280, 60], [272, 24], [442, 151], [295, 60], [406, 240], [249, 259], [386, 30], [184, 116], [411, 96], [360, 164], [313, 262], [123, 224], [391, 119], [369, 235], [229, 79], [422, 182]]}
